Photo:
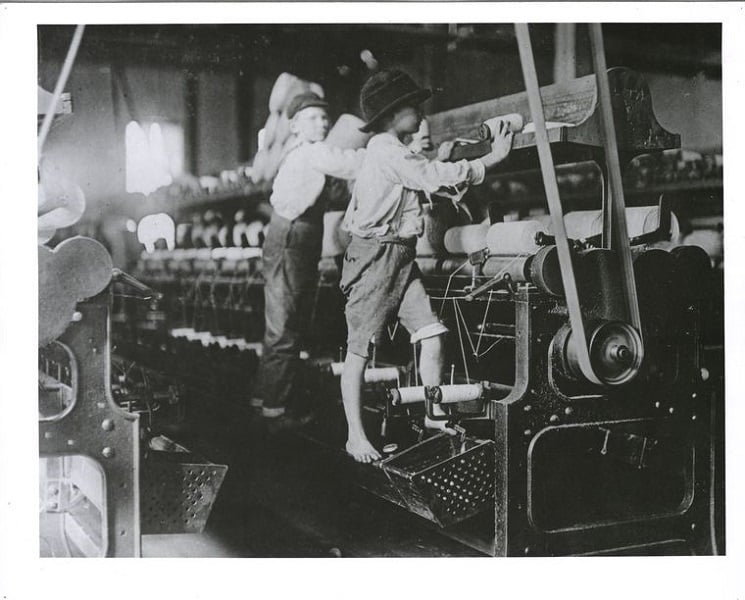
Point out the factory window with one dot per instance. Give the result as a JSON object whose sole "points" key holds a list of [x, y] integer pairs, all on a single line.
{"points": [[154, 155]]}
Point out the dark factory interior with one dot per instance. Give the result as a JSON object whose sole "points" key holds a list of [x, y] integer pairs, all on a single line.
{"points": [[580, 405]]}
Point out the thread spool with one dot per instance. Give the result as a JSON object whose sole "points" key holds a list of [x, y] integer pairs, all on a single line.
{"points": [[283, 132], [516, 237], [286, 87], [428, 265], [582, 224], [197, 235], [437, 220], [516, 267], [381, 374], [466, 239], [270, 131], [409, 395], [316, 89], [335, 239], [280, 90], [273, 160], [544, 220], [490, 128], [248, 253], [254, 233], [464, 392], [233, 254], [258, 168], [372, 375], [299, 86], [239, 231], [183, 235], [337, 368], [346, 134], [223, 234], [450, 265]]}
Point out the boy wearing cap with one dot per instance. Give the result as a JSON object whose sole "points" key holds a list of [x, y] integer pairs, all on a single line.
{"points": [[292, 249], [380, 277]]}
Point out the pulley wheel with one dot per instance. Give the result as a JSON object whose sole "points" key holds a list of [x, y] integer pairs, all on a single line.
{"points": [[545, 272], [616, 352]]}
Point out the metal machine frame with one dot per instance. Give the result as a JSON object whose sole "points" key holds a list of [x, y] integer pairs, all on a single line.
{"points": [[97, 428]]}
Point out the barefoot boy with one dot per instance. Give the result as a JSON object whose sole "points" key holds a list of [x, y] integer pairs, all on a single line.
{"points": [[379, 277]]}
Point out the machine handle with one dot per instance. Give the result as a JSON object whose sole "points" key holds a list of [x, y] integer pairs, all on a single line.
{"points": [[147, 292], [499, 281]]}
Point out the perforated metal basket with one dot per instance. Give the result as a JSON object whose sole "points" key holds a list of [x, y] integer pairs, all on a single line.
{"points": [[178, 490], [445, 478]]}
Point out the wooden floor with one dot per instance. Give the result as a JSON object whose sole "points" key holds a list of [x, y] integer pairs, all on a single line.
{"points": [[282, 497]]}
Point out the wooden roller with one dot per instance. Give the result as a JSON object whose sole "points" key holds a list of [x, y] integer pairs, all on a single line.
{"points": [[409, 395], [429, 265], [464, 392], [372, 374], [517, 237], [466, 239]]}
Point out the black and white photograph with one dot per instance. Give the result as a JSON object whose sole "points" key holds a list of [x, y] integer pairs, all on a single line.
{"points": [[429, 282]]}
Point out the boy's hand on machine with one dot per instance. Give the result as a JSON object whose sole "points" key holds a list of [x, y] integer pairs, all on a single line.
{"points": [[502, 142], [444, 150], [500, 146]]}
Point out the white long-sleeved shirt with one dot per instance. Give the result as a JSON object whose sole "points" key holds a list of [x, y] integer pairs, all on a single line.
{"points": [[302, 175], [384, 200]]}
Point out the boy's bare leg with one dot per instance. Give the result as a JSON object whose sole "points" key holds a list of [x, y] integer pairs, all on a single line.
{"points": [[352, 377], [430, 363]]}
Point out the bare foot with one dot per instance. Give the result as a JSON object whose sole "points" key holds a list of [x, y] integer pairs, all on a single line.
{"points": [[362, 450], [438, 425]]}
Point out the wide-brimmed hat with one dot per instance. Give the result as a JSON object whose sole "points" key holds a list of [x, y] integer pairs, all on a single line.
{"points": [[386, 91], [305, 100]]}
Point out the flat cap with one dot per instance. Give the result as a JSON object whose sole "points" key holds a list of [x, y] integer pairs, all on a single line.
{"points": [[304, 100]]}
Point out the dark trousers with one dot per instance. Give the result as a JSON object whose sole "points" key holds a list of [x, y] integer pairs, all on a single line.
{"points": [[292, 250]]}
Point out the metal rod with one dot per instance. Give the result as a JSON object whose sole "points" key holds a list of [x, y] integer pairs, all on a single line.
{"points": [[61, 82], [554, 202], [494, 336]]}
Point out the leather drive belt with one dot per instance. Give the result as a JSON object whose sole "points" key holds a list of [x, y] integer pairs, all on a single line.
{"points": [[554, 202]]}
